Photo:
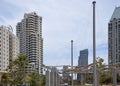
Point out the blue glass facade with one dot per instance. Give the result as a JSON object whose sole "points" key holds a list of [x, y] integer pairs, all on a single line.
{"points": [[82, 60]]}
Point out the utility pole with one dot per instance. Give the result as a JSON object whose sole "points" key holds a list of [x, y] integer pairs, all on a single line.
{"points": [[72, 62], [94, 46]]}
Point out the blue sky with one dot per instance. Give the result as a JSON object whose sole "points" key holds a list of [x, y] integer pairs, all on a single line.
{"points": [[63, 21]]}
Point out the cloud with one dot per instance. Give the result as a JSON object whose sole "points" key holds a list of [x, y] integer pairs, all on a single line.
{"points": [[2, 20]]}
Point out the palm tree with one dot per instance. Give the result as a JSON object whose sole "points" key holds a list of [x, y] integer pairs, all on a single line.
{"points": [[17, 69], [5, 79]]}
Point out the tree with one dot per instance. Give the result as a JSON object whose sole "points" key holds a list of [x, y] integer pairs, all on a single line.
{"points": [[104, 76], [100, 63], [17, 69], [21, 62], [18, 75], [42, 80], [5, 79], [34, 79]]}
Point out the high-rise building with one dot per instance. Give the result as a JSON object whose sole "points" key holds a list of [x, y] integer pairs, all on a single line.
{"points": [[9, 47], [82, 60], [29, 32], [114, 37], [14, 49]]}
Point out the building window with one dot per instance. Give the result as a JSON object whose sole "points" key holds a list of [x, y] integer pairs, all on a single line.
{"points": [[119, 25]]}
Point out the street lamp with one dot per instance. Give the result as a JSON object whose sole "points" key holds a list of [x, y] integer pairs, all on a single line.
{"points": [[72, 61], [94, 46]]}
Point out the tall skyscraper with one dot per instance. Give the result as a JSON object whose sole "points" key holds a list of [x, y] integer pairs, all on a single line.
{"points": [[29, 32], [82, 60], [114, 37], [9, 47]]}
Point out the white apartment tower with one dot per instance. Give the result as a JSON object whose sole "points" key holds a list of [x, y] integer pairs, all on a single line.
{"points": [[14, 49], [29, 32], [9, 47], [114, 37]]}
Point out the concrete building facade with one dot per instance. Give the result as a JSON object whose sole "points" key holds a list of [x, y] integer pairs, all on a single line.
{"points": [[114, 37], [14, 49], [29, 32], [53, 78], [9, 47]]}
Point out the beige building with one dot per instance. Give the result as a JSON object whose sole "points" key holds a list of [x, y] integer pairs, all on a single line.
{"points": [[29, 32], [13, 45], [9, 46]]}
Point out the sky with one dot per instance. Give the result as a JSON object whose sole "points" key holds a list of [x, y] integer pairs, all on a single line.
{"points": [[63, 21]]}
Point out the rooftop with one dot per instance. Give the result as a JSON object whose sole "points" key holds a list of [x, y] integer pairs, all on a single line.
{"points": [[116, 14]]}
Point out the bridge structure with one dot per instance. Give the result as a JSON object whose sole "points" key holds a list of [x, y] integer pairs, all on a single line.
{"points": [[53, 74]]}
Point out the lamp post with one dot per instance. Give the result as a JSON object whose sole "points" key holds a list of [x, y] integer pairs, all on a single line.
{"points": [[72, 62], [94, 46]]}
